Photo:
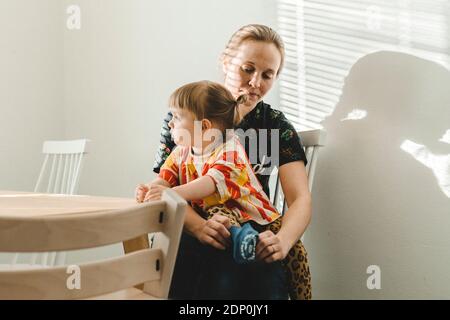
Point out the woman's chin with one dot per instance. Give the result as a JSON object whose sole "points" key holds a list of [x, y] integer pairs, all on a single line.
{"points": [[250, 104]]}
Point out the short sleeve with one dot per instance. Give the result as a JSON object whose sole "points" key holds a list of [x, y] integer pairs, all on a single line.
{"points": [[169, 171], [166, 144], [291, 148], [230, 176]]}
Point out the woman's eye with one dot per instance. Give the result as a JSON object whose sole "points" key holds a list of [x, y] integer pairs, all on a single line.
{"points": [[247, 69], [267, 76]]}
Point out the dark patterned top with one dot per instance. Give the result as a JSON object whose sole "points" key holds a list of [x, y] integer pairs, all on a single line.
{"points": [[257, 142]]}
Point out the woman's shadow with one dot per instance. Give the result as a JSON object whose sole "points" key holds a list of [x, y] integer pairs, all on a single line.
{"points": [[382, 185]]}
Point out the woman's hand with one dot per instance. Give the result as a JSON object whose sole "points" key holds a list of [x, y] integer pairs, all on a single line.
{"points": [[271, 247], [154, 192], [140, 192], [214, 232]]}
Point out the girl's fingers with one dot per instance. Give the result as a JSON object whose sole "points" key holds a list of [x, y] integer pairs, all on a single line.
{"points": [[152, 196], [140, 192]]}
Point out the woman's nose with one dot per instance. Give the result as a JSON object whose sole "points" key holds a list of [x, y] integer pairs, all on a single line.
{"points": [[171, 124], [255, 81]]}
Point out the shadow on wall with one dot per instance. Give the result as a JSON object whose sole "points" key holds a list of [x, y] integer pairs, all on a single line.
{"points": [[382, 188]]}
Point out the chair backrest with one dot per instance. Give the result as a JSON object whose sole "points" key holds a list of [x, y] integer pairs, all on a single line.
{"points": [[59, 173], [312, 141], [151, 266], [62, 166]]}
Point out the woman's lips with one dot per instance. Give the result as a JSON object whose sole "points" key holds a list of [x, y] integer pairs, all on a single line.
{"points": [[251, 95]]}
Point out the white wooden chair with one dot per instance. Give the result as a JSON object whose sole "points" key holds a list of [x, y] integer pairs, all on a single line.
{"points": [[312, 141], [112, 278], [66, 159], [59, 174]]}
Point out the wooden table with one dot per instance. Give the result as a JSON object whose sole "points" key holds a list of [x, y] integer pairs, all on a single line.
{"points": [[27, 204], [43, 204]]}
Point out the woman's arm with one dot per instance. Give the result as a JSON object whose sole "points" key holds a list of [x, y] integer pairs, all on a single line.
{"points": [[294, 182]]}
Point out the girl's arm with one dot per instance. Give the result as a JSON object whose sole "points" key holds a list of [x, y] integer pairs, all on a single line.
{"points": [[197, 189], [142, 190], [214, 231], [161, 182], [194, 190]]}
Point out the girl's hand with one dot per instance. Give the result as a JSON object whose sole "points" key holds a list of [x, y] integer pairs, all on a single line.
{"points": [[270, 247], [140, 192], [154, 192], [214, 232]]}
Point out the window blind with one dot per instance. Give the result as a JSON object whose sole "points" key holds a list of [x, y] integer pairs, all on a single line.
{"points": [[324, 38]]}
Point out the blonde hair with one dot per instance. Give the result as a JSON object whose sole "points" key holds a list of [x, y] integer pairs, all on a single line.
{"points": [[208, 100], [254, 32]]}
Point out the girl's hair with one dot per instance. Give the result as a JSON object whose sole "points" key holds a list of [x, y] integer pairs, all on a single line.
{"points": [[208, 100], [254, 32]]}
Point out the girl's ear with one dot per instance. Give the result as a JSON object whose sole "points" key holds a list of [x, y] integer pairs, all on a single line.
{"points": [[206, 124]]}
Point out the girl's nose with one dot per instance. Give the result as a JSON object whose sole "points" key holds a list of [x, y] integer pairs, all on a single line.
{"points": [[171, 124]]}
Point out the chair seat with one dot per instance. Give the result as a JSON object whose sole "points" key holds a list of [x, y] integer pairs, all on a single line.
{"points": [[127, 294]]}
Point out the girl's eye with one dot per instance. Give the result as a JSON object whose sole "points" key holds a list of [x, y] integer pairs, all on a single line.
{"points": [[267, 76]]}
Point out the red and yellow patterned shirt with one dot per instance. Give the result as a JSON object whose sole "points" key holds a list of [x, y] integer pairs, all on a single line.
{"points": [[236, 184]]}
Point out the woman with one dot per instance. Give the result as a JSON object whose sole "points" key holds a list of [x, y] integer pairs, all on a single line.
{"points": [[252, 61]]}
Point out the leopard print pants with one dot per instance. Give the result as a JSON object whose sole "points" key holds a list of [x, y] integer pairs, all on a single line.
{"points": [[295, 264]]}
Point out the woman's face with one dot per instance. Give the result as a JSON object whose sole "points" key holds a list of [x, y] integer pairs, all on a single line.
{"points": [[252, 70]]}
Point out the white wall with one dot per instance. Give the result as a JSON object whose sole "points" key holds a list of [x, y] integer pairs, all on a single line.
{"points": [[121, 67], [31, 87], [108, 81], [376, 200]]}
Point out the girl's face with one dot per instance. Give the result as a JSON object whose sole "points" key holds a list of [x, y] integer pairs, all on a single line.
{"points": [[252, 70], [182, 127]]}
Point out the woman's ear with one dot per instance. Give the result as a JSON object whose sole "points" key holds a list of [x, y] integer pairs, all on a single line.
{"points": [[225, 65]]}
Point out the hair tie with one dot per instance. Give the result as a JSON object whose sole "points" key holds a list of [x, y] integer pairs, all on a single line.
{"points": [[241, 99]]}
